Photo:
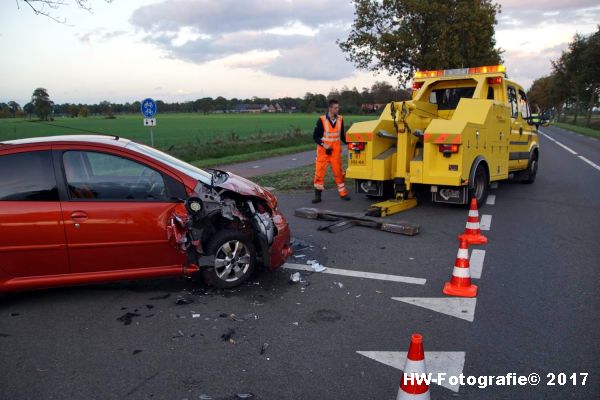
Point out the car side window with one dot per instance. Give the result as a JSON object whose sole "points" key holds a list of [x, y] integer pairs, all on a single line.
{"points": [[27, 177], [523, 105], [106, 177], [512, 99]]}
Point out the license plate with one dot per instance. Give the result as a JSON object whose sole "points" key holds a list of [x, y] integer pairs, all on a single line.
{"points": [[356, 158], [455, 195]]}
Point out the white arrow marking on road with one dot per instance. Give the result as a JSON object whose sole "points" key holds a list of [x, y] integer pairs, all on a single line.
{"points": [[359, 274], [486, 222], [476, 263], [491, 200], [451, 363], [459, 307]]}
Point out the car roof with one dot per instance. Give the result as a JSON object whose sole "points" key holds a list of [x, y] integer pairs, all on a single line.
{"points": [[93, 139]]}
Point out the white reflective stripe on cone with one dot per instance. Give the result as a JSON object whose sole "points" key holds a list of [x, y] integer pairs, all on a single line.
{"points": [[406, 396], [416, 367], [463, 253], [473, 213], [461, 272], [472, 225]]}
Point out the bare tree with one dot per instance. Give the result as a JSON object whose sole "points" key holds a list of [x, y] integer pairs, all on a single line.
{"points": [[47, 8]]}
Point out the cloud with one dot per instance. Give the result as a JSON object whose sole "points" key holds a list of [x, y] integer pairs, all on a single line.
{"points": [[532, 13], [100, 35], [280, 37], [526, 66]]}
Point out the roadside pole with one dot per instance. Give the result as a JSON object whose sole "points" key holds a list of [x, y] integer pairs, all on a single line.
{"points": [[148, 109]]}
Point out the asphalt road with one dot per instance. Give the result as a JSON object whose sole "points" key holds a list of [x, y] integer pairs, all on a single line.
{"points": [[536, 309]]}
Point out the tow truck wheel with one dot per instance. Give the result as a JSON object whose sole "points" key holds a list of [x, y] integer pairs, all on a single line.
{"points": [[531, 169], [481, 185], [235, 259]]}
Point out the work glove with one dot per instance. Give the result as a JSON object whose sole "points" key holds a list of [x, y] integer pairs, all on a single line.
{"points": [[329, 151]]}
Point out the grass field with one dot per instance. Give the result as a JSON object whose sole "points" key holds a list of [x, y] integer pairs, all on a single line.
{"points": [[579, 129], [198, 138], [300, 178]]}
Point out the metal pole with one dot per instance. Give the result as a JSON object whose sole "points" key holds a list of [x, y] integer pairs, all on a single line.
{"points": [[151, 137]]}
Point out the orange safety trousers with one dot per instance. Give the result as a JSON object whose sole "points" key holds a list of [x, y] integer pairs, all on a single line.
{"points": [[331, 137]]}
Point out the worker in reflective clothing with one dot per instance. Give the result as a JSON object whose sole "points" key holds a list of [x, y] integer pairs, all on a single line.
{"points": [[535, 117], [328, 135]]}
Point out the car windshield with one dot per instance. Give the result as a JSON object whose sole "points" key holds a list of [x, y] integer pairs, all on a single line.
{"points": [[171, 161]]}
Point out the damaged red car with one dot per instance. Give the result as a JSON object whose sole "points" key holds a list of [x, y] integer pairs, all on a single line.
{"points": [[89, 209]]}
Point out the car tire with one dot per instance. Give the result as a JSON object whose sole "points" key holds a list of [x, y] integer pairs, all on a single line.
{"points": [[481, 186], [235, 259], [532, 167]]}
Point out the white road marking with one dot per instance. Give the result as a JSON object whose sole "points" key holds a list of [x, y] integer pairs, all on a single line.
{"points": [[491, 199], [359, 274], [570, 150], [593, 164], [476, 263], [494, 185], [486, 222], [450, 362], [459, 307], [255, 166]]}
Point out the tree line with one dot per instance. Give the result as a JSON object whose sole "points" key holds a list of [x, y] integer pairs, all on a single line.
{"points": [[573, 86], [352, 101]]}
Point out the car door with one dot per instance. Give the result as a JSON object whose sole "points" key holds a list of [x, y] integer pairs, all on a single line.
{"points": [[116, 213], [32, 235]]}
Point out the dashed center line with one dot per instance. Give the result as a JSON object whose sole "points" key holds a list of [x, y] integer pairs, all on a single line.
{"points": [[486, 222], [476, 263]]}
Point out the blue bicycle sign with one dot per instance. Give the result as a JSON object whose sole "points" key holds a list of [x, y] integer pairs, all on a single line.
{"points": [[148, 107]]}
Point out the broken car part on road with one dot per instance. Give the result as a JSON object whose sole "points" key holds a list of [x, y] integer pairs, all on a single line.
{"points": [[345, 220]]}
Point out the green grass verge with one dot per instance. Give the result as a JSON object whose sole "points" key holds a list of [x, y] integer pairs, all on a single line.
{"points": [[579, 129], [258, 155], [295, 179], [205, 140]]}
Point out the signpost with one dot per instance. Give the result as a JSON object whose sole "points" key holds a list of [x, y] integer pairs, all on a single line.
{"points": [[148, 108]]}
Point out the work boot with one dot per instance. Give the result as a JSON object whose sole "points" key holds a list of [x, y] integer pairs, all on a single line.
{"points": [[317, 198], [345, 198]]}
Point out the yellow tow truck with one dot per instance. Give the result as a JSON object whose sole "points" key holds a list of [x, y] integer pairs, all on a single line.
{"points": [[462, 129]]}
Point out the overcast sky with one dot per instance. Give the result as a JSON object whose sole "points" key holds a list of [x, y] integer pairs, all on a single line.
{"points": [[178, 50]]}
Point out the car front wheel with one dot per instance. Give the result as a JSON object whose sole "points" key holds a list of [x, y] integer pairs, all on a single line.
{"points": [[234, 261]]}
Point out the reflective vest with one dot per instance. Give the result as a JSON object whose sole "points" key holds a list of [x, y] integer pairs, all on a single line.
{"points": [[535, 118], [331, 134]]}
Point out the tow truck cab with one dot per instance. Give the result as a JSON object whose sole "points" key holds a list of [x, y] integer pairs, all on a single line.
{"points": [[463, 129]]}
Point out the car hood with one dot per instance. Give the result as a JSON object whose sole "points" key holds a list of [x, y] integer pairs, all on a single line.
{"points": [[243, 186]]}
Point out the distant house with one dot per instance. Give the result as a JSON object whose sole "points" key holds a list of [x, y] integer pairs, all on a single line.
{"points": [[372, 107], [278, 108]]}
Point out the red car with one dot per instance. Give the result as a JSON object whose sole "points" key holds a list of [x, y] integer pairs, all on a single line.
{"points": [[88, 209]]}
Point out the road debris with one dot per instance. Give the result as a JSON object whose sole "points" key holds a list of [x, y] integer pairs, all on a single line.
{"points": [[183, 301], [228, 336], [316, 266], [339, 284], [137, 351], [195, 315], [162, 297], [127, 318], [263, 348], [295, 277], [345, 220], [178, 335]]}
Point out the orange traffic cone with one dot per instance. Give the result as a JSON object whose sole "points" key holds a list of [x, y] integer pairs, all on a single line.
{"points": [[460, 284], [472, 233], [412, 385]]}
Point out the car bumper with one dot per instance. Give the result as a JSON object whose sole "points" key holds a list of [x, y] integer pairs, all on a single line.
{"points": [[280, 249]]}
